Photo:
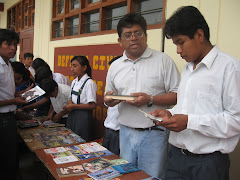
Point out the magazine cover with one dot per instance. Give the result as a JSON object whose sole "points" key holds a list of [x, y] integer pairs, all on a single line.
{"points": [[104, 153], [126, 168], [96, 165], [54, 150], [107, 173], [76, 170], [33, 93], [92, 147], [118, 161], [63, 160], [28, 123]]}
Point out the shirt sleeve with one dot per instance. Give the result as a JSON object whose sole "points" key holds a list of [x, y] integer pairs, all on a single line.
{"points": [[91, 91], [224, 124]]}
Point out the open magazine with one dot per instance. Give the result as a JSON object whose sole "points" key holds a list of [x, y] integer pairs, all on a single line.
{"points": [[33, 93]]}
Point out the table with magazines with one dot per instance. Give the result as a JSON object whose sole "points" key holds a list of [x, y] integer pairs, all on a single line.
{"points": [[39, 136], [87, 160]]}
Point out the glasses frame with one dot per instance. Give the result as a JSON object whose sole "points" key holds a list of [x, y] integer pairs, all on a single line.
{"points": [[138, 36]]}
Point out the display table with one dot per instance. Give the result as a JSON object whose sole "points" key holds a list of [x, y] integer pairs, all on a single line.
{"points": [[41, 137], [47, 160]]}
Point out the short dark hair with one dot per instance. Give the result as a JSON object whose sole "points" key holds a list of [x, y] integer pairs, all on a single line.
{"points": [[28, 55], [19, 68], [84, 62], [43, 72], [49, 86], [8, 35], [186, 21], [38, 62], [129, 20]]}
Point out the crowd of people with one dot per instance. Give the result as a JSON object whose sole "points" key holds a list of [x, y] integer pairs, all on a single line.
{"points": [[200, 110]]}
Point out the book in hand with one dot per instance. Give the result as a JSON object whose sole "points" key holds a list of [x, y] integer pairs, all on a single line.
{"points": [[151, 116], [121, 97], [76, 170], [126, 168], [107, 173], [33, 93]]}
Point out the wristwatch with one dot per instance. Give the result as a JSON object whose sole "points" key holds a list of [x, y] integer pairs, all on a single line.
{"points": [[151, 101]]}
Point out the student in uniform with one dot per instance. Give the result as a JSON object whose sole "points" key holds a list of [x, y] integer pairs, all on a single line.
{"points": [[83, 100], [59, 95], [8, 101]]}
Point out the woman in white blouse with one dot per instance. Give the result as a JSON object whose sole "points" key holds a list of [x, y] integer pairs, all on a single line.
{"points": [[83, 98]]}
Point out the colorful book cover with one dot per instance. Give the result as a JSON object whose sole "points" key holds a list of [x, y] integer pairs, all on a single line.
{"points": [[60, 154], [28, 123], [76, 170], [107, 173], [33, 93], [96, 165], [126, 168], [52, 143], [92, 147], [104, 153], [55, 150], [71, 148], [63, 160], [118, 161], [86, 156]]}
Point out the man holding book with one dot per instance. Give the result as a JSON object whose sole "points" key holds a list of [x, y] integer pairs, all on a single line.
{"points": [[8, 132], [152, 77], [205, 123]]}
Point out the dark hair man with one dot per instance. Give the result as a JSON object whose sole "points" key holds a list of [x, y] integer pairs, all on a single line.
{"points": [[205, 123], [8, 132], [152, 77]]}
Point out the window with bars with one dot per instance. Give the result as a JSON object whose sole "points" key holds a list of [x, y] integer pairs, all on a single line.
{"points": [[21, 15], [92, 17]]}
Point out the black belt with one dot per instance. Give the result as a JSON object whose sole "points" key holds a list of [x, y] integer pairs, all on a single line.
{"points": [[149, 129], [188, 153]]}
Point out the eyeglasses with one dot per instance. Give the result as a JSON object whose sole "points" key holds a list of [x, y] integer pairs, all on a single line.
{"points": [[129, 35]]}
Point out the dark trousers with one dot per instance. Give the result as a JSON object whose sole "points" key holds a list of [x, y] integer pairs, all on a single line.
{"points": [[182, 166], [8, 149], [111, 141]]}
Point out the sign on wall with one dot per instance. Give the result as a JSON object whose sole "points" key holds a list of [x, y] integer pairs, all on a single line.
{"points": [[99, 57]]}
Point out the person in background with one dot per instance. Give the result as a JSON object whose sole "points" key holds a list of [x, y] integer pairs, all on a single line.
{"points": [[44, 72], [83, 98], [205, 123], [27, 61], [59, 95], [152, 77], [8, 101], [111, 134]]}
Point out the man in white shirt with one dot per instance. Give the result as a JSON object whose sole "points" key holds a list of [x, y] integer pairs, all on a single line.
{"points": [[8, 132], [59, 95], [152, 77], [205, 123]]}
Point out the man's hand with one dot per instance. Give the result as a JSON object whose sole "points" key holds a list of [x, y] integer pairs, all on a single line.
{"points": [[142, 99], [20, 100], [177, 122], [109, 101]]}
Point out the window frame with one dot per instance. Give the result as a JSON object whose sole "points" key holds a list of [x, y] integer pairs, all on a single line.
{"points": [[101, 6]]}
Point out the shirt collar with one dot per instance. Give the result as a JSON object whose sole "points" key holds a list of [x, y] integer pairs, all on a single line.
{"points": [[147, 53], [83, 78], [208, 59], [2, 61]]}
